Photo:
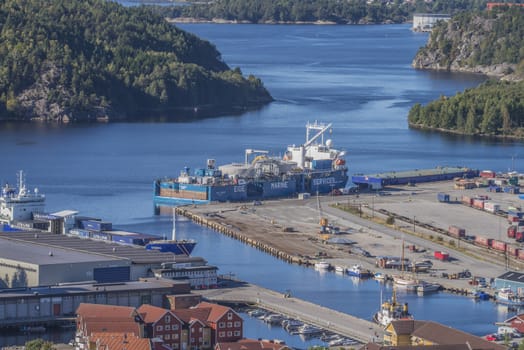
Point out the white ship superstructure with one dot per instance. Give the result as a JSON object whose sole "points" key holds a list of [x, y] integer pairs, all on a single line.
{"points": [[19, 204]]}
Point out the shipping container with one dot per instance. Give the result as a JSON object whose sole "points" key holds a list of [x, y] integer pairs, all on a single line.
{"points": [[511, 250], [494, 188], [95, 225], [483, 241], [443, 197], [498, 245], [491, 207], [79, 232], [466, 200], [513, 219], [487, 173], [456, 231], [441, 255], [478, 203], [512, 230]]}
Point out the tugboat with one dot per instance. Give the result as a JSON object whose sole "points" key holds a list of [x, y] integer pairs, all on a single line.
{"points": [[392, 311]]}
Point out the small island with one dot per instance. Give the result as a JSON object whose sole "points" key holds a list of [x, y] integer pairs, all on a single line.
{"points": [[488, 42], [98, 60]]}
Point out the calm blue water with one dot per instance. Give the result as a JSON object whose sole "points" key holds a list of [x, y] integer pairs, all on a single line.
{"points": [[358, 77]]}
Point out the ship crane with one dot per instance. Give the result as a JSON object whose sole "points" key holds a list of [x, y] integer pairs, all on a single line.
{"points": [[253, 151], [322, 128]]}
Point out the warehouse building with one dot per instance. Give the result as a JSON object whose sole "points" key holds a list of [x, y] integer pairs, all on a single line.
{"points": [[424, 22], [57, 304], [37, 259], [510, 279], [381, 180]]}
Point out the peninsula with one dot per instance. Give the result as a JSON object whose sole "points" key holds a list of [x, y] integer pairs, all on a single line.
{"points": [[89, 60]]}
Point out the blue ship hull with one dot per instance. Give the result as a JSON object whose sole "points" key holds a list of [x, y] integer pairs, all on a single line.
{"points": [[175, 247], [322, 182]]}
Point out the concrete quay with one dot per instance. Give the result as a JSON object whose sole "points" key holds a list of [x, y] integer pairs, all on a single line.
{"points": [[322, 317]]}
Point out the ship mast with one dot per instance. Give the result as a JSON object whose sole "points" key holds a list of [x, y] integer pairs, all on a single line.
{"points": [[173, 233]]}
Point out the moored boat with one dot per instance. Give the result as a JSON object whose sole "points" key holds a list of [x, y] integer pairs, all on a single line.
{"points": [[428, 287], [391, 311], [507, 296], [358, 271], [322, 265], [313, 167]]}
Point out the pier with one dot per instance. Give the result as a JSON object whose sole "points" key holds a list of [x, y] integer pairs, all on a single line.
{"points": [[236, 292]]}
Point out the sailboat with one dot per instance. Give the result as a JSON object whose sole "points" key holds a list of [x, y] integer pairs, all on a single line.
{"points": [[177, 247], [403, 280]]}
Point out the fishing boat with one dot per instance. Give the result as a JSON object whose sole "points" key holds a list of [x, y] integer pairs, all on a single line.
{"points": [[313, 167], [506, 296], [391, 311], [340, 269], [358, 271], [428, 287]]}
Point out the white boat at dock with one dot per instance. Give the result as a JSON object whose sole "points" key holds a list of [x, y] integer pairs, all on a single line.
{"points": [[322, 265], [340, 269], [308, 329], [428, 287], [507, 296]]}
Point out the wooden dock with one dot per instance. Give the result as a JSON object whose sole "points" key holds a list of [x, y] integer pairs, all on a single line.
{"points": [[323, 317]]}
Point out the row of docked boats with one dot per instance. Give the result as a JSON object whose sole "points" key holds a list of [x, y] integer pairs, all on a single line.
{"points": [[411, 283], [297, 327]]}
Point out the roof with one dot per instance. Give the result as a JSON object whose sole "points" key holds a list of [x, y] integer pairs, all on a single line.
{"points": [[65, 213], [90, 250], [189, 315], [512, 276], [519, 317], [375, 346], [40, 253], [91, 287], [152, 314], [105, 311], [252, 344], [442, 335], [120, 340], [216, 312], [93, 326]]}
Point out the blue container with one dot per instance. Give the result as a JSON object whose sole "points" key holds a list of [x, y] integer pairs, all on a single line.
{"points": [[100, 236], [80, 232], [443, 197], [95, 225]]}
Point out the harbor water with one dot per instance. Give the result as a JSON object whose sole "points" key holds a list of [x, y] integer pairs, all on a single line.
{"points": [[357, 77]]}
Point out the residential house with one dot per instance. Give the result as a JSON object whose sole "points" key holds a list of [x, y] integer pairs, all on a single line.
{"points": [[97, 318], [226, 324], [163, 324], [429, 333], [119, 341], [516, 322], [252, 344]]}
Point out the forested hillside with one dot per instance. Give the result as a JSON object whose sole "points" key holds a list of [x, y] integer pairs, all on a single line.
{"points": [[496, 108], [489, 42], [341, 12], [82, 59]]}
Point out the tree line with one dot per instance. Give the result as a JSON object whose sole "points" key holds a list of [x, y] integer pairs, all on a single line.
{"points": [[85, 57], [495, 108], [341, 12]]}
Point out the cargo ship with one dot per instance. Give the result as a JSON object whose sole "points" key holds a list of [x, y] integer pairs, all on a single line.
{"points": [[313, 167]]}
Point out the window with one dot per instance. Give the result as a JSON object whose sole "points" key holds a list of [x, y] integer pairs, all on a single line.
{"points": [[174, 345], [174, 327], [237, 333], [229, 324], [221, 334], [200, 340], [221, 324], [168, 319], [229, 334], [237, 323], [200, 330], [175, 336], [167, 327], [167, 337], [159, 328], [230, 316]]}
